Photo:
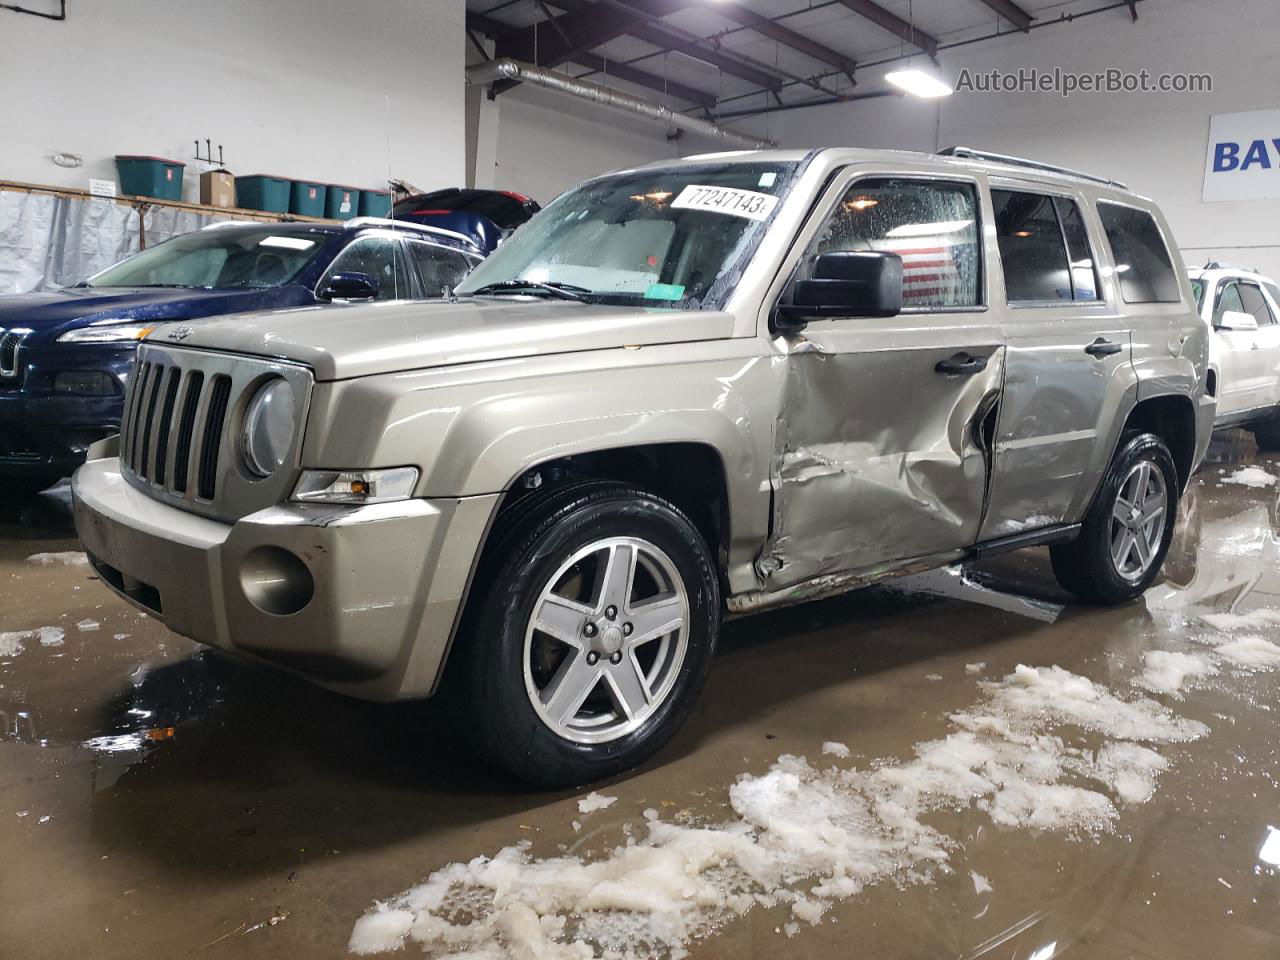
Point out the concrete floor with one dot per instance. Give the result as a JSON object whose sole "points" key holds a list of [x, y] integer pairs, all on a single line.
{"points": [[158, 801]]}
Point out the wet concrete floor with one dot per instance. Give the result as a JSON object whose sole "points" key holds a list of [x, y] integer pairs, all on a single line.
{"points": [[158, 800]]}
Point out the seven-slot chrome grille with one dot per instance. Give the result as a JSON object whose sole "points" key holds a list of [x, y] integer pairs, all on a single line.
{"points": [[180, 435]]}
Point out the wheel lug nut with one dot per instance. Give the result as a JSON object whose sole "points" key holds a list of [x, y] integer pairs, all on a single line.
{"points": [[593, 658], [611, 612], [589, 630], [626, 629], [615, 657]]}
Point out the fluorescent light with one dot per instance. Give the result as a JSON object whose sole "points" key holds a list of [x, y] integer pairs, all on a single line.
{"points": [[929, 229], [919, 83]]}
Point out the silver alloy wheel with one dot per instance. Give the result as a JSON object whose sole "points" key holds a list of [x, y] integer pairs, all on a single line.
{"points": [[606, 641], [1137, 520]]}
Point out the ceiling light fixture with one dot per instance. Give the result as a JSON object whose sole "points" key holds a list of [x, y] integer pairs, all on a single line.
{"points": [[919, 83]]}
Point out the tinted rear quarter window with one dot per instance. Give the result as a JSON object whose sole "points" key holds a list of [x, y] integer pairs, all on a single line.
{"points": [[1142, 260], [1031, 247]]}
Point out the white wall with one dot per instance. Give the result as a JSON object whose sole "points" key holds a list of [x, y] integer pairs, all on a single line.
{"points": [[1155, 143], [297, 88], [547, 142]]}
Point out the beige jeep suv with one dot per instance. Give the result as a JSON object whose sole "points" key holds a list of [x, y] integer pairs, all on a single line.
{"points": [[686, 391]]}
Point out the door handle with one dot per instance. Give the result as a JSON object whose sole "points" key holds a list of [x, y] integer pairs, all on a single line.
{"points": [[962, 365], [1102, 347]]}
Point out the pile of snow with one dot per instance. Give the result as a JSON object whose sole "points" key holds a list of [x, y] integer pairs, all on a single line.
{"points": [[1253, 620], [1165, 671], [11, 642], [68, 558], [834, 749], [1253, 652], [1251, 477], [799, 837], [594, 801]]}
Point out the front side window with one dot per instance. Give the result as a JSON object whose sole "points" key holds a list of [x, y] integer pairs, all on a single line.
{"points": [[1256, 304], [221, 258], [1228, 299], [1143, 264], [381, 259], [931, 224], [672, 237], [439, 268]]}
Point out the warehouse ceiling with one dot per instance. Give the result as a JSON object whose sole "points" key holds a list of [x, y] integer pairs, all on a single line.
{"points": [[727, 58]]}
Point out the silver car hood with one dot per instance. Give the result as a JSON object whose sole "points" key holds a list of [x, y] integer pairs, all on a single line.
{"points": [[344, 341]]}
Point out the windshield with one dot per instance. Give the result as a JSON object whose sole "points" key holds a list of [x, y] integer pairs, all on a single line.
{"points": [[217, 258], [668, 237], [1197, 287]]}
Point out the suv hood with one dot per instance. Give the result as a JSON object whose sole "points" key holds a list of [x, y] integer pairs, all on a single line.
{"points": [[342, 342], [55, 311]]}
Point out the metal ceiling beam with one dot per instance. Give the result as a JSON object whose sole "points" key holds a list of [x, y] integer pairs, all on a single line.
{"points": [[641, 78], [1011, 12], [900, 28], [651, 29], [786, 36], [549, 43]]}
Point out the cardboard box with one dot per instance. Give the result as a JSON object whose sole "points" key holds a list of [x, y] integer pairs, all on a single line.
{"points": [[218, 189]]}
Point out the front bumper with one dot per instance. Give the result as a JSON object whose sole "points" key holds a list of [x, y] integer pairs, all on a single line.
{"points": [[49, 435], [388, 579]]}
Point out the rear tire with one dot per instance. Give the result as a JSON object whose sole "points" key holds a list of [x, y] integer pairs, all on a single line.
{"points": [[1128, 529], [1267, 433], [630, 593]]}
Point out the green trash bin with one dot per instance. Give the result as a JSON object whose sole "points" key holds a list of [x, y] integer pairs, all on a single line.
{"points": [[307, 198], [341, 203], [150, 176], [375, 203], [259, 191]]}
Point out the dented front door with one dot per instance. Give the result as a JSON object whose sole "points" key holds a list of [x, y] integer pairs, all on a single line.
{"points": [[881, 440]]}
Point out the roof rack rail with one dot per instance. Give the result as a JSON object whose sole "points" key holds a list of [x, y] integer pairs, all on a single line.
{"points": [[968, 153], [356, 222]]}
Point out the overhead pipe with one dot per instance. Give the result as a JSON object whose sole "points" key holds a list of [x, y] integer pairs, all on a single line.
{"points": [[507, 69]]}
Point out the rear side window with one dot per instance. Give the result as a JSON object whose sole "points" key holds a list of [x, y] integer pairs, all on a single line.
{"points": [[1256, 304], [1142, 260], [1044, 248], [931, 224]]}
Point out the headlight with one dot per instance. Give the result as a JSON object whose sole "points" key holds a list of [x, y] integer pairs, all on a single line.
{"points": [[356, 486], [107, 333], [267, 434]]}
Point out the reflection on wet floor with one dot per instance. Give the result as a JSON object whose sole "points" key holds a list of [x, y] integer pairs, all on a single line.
{"points": [[166, 800]]}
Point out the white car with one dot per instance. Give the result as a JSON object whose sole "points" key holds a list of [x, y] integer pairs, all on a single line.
{"points": [[1242, 309]]}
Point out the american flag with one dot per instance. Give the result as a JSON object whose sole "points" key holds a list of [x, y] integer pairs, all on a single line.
{"points": [[930, 274]]}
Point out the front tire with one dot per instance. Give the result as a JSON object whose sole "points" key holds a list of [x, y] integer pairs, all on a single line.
{"points": [[1128, 529], [593, 627]]}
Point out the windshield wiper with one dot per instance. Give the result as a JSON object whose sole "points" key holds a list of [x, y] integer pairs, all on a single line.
{"points": [[561, 291]]}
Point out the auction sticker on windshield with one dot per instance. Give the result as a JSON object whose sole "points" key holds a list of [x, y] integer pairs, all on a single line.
{"points": [[736, 203]]}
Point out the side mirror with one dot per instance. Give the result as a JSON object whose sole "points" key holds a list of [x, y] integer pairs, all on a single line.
{"points": [[844, 284], [1237, 320], [348, 286]]}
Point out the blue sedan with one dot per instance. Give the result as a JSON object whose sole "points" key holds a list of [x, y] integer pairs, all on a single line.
{"points": [[66, 355]]}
